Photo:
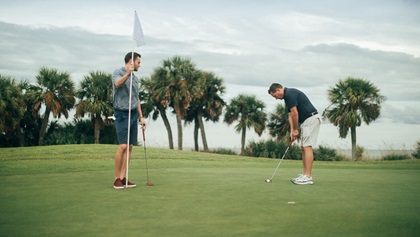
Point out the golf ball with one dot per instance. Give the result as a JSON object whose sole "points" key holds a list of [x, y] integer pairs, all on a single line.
{"points": [[268, 180]]}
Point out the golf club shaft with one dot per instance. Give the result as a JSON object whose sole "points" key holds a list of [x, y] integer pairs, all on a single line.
{"points": [[279, 163], [290, 144], [145, 156]]}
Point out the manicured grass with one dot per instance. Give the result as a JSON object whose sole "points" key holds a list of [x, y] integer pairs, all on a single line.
{"points": [[67, 191]]}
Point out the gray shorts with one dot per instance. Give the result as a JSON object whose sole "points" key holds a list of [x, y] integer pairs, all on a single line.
{"points": [[121, 125], [309, 131]]}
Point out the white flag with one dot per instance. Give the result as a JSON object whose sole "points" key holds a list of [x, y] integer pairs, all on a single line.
{"points": [[138, 32]]}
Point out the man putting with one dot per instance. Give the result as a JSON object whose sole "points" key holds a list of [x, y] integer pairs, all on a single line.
{"points": [[301, 113], [121, 92]]}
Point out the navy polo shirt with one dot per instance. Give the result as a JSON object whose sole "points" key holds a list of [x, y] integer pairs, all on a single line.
{"points": [[294, 97]]}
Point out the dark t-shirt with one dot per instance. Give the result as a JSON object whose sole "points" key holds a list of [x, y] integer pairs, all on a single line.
{"points": [[294, 97]]}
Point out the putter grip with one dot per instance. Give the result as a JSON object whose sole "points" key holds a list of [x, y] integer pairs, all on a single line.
{"points": [[144, 136], [290, 143]]}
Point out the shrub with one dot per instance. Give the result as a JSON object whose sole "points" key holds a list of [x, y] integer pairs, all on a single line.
{"points": [[324, 153], [272, 149], [223, 151], [78, 132], [396, 157], [359, 152], [416, 153]]}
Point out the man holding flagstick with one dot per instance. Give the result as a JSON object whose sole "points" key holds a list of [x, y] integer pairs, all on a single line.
{"points": [[126, 117], [127, 109]]}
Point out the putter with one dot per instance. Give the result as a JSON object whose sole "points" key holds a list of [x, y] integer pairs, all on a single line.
{"points": [[271, 179], [145, 158]]}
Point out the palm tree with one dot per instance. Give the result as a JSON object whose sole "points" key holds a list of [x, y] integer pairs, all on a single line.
{"points": [[249, 112], [278, 125], [176, 82], [31, 122], [353, 100], [154, 105], [95, 96], [55, 90], [12, 106], [209, 106]]}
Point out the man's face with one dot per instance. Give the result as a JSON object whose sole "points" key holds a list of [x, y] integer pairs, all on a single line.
{"points": [[278, 94], [137, 64]]}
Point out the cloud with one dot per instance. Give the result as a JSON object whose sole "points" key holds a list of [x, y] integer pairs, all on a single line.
{"points": [[25, 49], [314, 68], [390, 71], [406, 115], [250, 45], [309, 46]]}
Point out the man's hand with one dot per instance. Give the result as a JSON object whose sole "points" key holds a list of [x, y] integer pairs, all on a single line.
{"points": [[129, 67], [293, 121], [294, 134], [142, 122]]}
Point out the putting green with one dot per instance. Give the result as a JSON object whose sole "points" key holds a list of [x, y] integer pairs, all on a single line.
{"points": [[67, 191]]}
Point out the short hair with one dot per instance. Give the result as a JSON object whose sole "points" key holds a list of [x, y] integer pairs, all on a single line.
{"points": [[274, 87], [129, 55]]}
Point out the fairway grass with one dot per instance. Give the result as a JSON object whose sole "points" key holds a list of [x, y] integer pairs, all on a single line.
{"points": [[67, 191]]}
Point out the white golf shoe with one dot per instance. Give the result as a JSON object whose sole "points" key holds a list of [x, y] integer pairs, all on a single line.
{"points": [[299, 176], [303, 179]]}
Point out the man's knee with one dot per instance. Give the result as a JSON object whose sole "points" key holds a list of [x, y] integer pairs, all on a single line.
{"points": [[122, 147]]}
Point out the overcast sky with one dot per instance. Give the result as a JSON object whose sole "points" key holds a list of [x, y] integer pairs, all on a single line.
{"points": [[309, 45]]}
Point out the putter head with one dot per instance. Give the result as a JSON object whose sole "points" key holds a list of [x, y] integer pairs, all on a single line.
{"points": [[149, 184], [268, 180]]}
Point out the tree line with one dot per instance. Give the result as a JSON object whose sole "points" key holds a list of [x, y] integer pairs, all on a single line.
{"points": [[177, 86]]}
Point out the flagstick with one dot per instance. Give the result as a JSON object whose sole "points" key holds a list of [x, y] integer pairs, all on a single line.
{"points": [[129, 121], [139, 38]]}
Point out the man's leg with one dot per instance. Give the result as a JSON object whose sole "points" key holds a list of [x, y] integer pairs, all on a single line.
{"points": [[310, 130], [119, 163], [308, 160], [303, 160], [123, 169], [119, 160]]}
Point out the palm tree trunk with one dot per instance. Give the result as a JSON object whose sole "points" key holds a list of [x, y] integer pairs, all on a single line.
{"points": [[168, 128], [21, 137], [44, 126], [97, 129], [243, 140], [196, 127], [179, 124], [203, 132], [353, 143]]}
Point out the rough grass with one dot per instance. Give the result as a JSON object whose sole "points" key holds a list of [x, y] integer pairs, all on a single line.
{"points": [[67, 191]]}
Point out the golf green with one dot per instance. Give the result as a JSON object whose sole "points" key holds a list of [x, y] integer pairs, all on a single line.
{"points": [[67, 191]]}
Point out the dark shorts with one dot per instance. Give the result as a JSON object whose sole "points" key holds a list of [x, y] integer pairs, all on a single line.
{"points": [[121, 125]]}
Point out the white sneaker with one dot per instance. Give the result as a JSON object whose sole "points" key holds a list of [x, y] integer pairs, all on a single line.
{"points": [[299, 176], [303, 179]]}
